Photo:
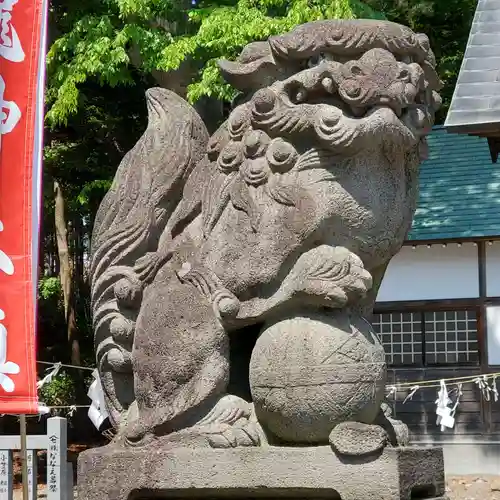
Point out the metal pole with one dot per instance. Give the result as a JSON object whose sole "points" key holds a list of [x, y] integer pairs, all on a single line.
{"points": [[24, 457]]}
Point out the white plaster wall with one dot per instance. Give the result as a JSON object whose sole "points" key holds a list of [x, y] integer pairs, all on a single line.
{"points": [[493, 334], [493, 269], [434, 273], [465, 455]]}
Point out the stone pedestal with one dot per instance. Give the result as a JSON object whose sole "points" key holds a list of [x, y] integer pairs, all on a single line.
{"points": [[112, 473]]}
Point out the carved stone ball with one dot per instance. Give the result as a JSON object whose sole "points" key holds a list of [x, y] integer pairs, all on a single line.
{"points": [[313, 371], [122, 330], [128, 292], [281, 155], [264, 101], [119, 360]]}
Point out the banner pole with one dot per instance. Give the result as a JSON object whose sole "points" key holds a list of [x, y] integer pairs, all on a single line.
{"points": [[24, 456]]}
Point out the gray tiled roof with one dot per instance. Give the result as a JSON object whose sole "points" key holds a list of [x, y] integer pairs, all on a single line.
{"points": [[476, 100]]}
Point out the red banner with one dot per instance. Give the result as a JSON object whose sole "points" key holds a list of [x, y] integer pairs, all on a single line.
{"points": [[22, 71]]}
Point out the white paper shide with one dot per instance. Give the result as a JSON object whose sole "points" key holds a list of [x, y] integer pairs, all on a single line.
{"points": [[97, 411]]}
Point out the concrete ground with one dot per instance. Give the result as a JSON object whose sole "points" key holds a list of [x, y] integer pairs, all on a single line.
{"points": [[458, 488], [473, 488]]}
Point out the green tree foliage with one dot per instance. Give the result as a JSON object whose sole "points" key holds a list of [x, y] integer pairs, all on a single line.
{"points": [[82, 157], [446, 22], [84, 154], [100, 40], [60, 391]]}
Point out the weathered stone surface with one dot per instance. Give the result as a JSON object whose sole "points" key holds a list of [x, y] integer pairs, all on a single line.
{"points": [[146, 189], [357, 439], [281, 226], [270, 472], [324, 369]]}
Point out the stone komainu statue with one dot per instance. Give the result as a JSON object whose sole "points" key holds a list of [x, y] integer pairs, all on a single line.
{"points": [[283, 221]]}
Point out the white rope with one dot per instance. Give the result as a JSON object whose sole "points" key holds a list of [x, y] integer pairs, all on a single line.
{"points": [[412, 393], [46, 410], [481, 380], [392, 390], [53, 371], [76, 367], [62, 407], [489, 392]]}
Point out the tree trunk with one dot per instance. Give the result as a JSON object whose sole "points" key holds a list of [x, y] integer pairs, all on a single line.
{"points": [[66, 273]]}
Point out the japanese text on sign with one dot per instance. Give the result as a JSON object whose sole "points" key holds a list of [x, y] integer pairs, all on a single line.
{"points": [[52, 465], [4, 473]]}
